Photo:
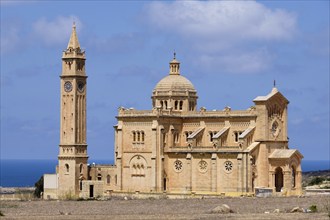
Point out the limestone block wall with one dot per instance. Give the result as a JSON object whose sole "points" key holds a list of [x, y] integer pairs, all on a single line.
{"points": [[178, 173], [107, 174], [136, 136], [98, 189], [136, 172], [201, 173], [67, 178], [227, 170]]}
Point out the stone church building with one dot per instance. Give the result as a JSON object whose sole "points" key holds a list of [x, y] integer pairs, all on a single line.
{"points": [[174, 147]]}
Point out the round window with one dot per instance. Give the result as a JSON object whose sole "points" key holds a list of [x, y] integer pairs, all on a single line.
{"points": [[228, 166], [178, 166], [202, 166]]}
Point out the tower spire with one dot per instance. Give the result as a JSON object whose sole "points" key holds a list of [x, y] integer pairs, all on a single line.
{"points": [[73, 42]]}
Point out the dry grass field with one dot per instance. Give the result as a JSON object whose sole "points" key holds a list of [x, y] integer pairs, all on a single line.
{"points": [[119, 208]]}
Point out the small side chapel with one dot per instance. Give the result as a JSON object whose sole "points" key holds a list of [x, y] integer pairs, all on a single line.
{"points": [[174, 148]]}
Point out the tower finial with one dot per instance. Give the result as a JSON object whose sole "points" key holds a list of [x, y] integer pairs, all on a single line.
{"points": [[274, 83], [174, 54], [74, 24]]}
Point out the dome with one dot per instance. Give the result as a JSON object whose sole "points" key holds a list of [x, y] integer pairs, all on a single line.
{"points": [[174, 83], [174, 92]]}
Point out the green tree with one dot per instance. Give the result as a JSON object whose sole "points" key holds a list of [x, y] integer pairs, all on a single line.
{"points": [[316, 181], [39, 187]]}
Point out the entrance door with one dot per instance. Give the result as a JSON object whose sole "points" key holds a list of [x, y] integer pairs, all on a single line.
{"points": [[278, 179], [164, 184], [91, 191]]}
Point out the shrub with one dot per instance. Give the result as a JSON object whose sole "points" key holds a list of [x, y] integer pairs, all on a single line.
{"points": [[313, 208]]}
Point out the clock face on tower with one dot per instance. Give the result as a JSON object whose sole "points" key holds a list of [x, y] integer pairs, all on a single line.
{"points": [[67, 86], [81, 86]]}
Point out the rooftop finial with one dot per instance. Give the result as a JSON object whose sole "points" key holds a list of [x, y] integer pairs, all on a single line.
{"points": [[74, 24], [174, 54], [274, 83]]}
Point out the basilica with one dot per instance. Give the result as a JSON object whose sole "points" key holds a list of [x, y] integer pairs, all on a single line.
{"points": [[174, 147]]}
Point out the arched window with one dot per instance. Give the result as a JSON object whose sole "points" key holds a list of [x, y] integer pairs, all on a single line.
{"points": [[99, 177], [165, 104], [67, 168], [161, 104], [81, 168], [142, 136], [138, 169], [237, 134], [181, 105], [134, 169], [176, 105], [134, 136], [191, 105], [116, 179], [138, 136], [142, 169], [108, 179], [211, 136]]}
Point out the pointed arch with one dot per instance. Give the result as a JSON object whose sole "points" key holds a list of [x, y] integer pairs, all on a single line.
{"points": [[278, 179], [67, 168], [108, 179]]}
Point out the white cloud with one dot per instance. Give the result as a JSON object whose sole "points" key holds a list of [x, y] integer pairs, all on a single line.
{"points": [[234, 19], [56, 31], [230, 34]]}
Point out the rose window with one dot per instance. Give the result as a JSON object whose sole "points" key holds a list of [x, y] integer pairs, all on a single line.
{"points": [[178, 166], [228, 166], [202, 166]]}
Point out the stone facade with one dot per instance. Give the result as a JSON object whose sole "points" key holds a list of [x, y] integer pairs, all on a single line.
{"points": [[175, 147]]}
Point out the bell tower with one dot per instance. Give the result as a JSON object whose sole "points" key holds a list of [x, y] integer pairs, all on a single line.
{"points": [[72, 158]]}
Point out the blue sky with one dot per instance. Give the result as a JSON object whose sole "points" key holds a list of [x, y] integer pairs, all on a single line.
{"points": [[231, 51]]}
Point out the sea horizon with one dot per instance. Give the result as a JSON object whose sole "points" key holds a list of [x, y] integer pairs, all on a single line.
{"points": [[26, 172]]}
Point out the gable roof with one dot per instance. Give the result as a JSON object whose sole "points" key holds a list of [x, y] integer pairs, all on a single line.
{"points": [[221, 132], [252, 146], [246, 132], [195, 133], [269, 96], [284, 154]]}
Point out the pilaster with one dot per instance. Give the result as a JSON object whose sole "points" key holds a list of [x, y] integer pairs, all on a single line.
{"points": [[214, 172]]}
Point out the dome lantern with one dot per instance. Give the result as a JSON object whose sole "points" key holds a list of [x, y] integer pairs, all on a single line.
{"points": [[174, 66], [175, 91]]}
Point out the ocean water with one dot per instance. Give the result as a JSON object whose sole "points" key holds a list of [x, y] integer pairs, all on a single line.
{"points": [[24, 173]]}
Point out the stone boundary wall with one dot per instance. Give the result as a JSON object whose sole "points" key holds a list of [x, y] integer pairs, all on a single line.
{"points": [[142, 195]]}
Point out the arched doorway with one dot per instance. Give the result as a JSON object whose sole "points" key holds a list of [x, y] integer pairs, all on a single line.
{"points": [[253, 179], [293, 177], [278, 179], [165, 182]]}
